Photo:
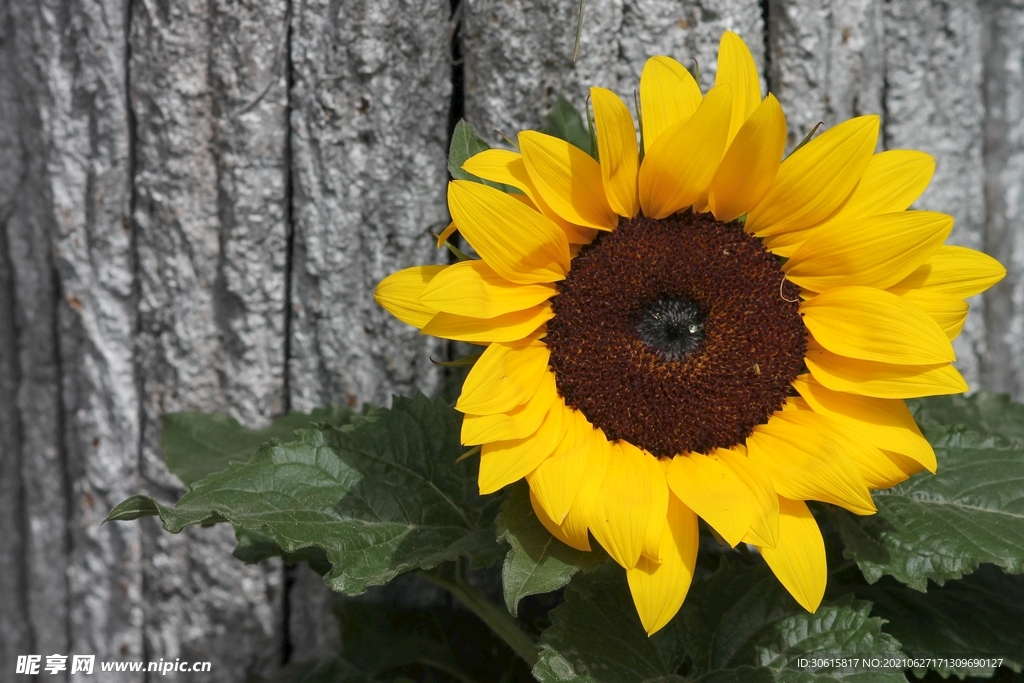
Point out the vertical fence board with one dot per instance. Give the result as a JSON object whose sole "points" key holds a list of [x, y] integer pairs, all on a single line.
{"points": [[826, 61], [370, 110], [209, 98], [933, 56], [1002, 368], [519, 54], [72, 258], [15, 638]]}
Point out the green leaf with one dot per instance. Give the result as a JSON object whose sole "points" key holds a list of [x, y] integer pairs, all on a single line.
{"points": [[537, 562], [565, 123], [256, 545], [465, 143], [984, 412], [596, 636], [943, 526], [198, 444], [977, 616], [380, 496], [720, 615], [742, 616]]}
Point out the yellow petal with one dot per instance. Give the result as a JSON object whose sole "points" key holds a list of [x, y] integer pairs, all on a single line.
{"points": [[577, 522], [816, 179], [798, 559], [659, 508], [957, 271], [557, 481], [736, 68], [877, 251], [886, 423], [891, 182], [557, 530], [445, 234], [504, 462], [517, 425], [764, 524], [505, 376], [872, 324], [399, 294], [883, 380], [504, 166], [806, 463], [679, 165], [668, 95], [948, 311], [909, 466], [473, 289], [877, 470], [520, 244], [751, 163], [568, 179], [503, 328], [617, 150], [659, 589], [712, 489], [622, 509]]}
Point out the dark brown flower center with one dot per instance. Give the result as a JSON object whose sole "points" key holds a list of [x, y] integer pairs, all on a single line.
{"points": [[676, 335]]}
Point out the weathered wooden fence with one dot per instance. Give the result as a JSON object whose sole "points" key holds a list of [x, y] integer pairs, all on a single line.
{"points": [[198, 196]]}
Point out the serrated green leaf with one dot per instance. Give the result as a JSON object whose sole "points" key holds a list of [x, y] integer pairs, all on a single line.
{"points": [[596, 636], [256, 545], [943, 526], [381, 496], [198, 444], [134, 508], [977, 616], [537, 562], [723, 613], [987, 413], [743, 617], [566, 123], [465, 143]]}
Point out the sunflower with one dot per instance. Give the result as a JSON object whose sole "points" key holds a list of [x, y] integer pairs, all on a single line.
{"points": [[701, 331]]}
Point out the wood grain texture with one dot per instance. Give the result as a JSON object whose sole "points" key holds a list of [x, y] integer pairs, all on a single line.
{"points": [[826, 61], [199, 197], [934, 59], [1002, 368], [370, 107], [15, 638], [70, 254], [209, 98], [519, 54]]}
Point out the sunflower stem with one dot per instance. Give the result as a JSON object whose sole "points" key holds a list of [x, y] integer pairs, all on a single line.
{"points": [[495, 617]]}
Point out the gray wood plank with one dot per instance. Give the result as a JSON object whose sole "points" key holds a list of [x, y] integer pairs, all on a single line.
{"points": [[519, 53], [826, 61], [370, 108], [1002, 368], [70, 253], [15, 638], [209, 96], [933, 102]]}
